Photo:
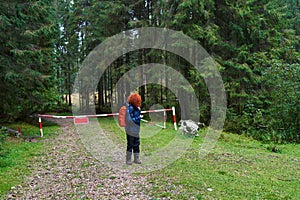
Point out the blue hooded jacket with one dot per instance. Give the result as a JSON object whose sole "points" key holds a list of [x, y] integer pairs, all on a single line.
{"points": [[133, 120]]}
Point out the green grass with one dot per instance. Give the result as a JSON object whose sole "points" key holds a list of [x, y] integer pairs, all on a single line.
{"points": [[15, 163], [237, 168]]}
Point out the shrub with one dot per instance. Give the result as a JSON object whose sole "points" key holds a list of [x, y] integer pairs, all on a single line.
{"points": [[3, 136]]}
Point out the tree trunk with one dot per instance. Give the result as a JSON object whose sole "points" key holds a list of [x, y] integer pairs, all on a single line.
{"points": [[69, 84]]}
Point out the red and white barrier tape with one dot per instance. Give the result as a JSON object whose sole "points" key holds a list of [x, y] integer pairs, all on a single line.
{"points": [[105, 115]]}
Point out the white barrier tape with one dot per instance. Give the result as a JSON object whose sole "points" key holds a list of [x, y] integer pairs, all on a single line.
{"points": [[154, 124], [78, 116], [160, 110]]}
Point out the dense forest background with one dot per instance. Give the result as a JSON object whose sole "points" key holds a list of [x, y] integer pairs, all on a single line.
{"points": [[255, 43]]}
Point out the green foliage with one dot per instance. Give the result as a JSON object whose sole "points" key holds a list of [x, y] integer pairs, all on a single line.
{"points": [[3, 137], [283, 113], [261, 74], [243, 37], [256, 45], [27, 57]]}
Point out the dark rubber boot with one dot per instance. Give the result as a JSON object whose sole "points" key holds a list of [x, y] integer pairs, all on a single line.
{"points": [[128, 158], [137, 158]]}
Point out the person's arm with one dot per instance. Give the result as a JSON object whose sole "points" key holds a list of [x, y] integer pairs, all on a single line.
{"points": [[134, 115]]}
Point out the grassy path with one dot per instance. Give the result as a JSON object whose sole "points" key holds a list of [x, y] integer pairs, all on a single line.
{"points": [[65, 170]]}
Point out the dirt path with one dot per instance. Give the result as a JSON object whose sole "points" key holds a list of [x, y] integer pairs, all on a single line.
{"points": [[67, 171]]}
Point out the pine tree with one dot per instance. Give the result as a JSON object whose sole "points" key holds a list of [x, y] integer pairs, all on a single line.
{"points": [[28, 31]]}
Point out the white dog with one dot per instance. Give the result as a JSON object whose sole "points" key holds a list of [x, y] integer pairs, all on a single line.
{"points": [[190, 127]]}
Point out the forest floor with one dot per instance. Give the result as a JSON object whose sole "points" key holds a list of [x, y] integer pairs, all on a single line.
{"points": [[237, 168], [65, 170]]}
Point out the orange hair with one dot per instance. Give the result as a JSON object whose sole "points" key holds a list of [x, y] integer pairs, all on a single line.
{"points": [[135, 99]]}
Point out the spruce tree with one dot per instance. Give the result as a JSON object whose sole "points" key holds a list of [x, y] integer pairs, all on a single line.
{"points": [[28, 31]]}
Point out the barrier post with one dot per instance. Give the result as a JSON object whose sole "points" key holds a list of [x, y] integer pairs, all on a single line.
{"points": [[41, 127], [174, 118], [165, 118]]}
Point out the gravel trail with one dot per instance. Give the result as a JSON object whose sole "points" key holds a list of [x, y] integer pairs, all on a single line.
{"points": [[65, 170]]}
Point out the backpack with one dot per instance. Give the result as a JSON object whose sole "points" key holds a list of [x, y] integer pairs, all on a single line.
{"points": [[122, 116]]}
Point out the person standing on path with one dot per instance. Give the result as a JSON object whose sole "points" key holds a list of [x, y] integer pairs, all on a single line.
{"points": [[133, 119]]}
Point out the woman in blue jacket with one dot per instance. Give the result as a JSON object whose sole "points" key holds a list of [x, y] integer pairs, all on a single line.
{"points": [[133, 119]]}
